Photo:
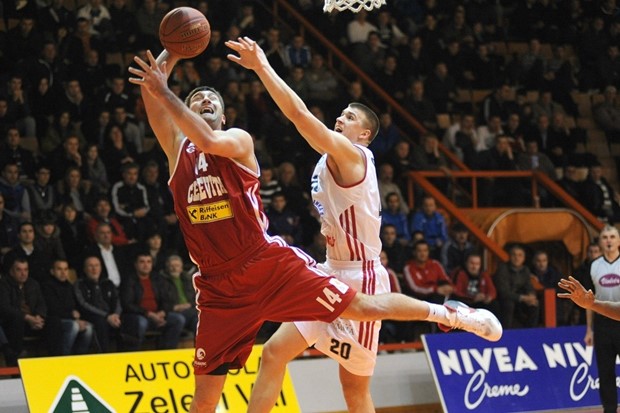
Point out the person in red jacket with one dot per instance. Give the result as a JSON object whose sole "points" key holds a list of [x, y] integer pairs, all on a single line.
{"points": [[474, 286], [426, 277]]}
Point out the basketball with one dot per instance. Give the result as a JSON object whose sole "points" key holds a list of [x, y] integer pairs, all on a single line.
{"points": [[185, 32]]}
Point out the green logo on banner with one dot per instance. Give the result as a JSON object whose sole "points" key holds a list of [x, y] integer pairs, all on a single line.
{"points": [[77, 397]]}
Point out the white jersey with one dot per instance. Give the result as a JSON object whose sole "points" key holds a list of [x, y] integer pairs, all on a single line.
{"points": [[606, 279], [350, 216]]}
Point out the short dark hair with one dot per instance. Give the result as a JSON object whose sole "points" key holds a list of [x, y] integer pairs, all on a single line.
{"points": [[202, 89], [371, 118]]}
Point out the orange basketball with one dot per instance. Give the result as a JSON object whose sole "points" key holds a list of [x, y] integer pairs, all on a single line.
{"points": [[185, 32]]}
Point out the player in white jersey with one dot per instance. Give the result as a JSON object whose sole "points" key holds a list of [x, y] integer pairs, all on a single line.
{"points": [[345, 192], [350, 221], [603, 328]]}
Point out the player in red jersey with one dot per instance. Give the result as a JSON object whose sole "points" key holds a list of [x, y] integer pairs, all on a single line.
{"points": [[245, 277]]}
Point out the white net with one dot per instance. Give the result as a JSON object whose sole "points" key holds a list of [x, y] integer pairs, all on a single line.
{"points": [[353, 5]]}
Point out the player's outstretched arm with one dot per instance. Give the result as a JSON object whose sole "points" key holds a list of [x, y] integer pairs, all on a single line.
{"points": [[165, 130], [323, 140], [585, 298]]}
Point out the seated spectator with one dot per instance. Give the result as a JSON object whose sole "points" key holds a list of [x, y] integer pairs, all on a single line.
{"points": [[428, 157], [19, 106], [8, 230], [116, 152], [147, 305], [454, 251], [545, 105], [130, 202], [461, 138], [114, 259], [416, 102], [397, 252], [607, 115], [604, 199], [68, 333], [498, 103], [16, 199], [432, 224], [132, 132], [546, 275], [13, 152], [65, 156], [474, 286], [27, 249], [519, 305], [269, 184], [425, 277], [387, 186], [387, 137], [441, 88], [369, 55], [488, 132], [102, 214], [401, 159], [283, 221], [42, 195], [394, 216], [99, 303], [47, 238], [72, 189], [94, 171], [182, 290], [58, 132], [72, 235], [22, 309], [297, 52], [161, 209], [496, 191], [153, 245]]}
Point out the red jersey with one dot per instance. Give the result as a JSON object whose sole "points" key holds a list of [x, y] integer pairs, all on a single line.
{"points": [[219, 208]]}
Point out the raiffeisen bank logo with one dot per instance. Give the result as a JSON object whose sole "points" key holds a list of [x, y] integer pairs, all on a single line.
{"points": [[76, 397]]}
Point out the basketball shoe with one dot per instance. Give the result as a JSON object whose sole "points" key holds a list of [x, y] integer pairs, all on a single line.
{"points": [[478, 321]]}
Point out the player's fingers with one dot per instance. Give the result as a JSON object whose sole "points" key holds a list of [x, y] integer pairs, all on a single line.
{"points": [[141, 63], [233, 58], [136, 71], [151, 58]]}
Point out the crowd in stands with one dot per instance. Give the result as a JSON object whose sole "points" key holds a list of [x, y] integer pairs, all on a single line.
{"points": [[92, 257]]}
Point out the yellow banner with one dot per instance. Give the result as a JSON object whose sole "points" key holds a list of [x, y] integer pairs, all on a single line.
{"points": [[148, 381]]}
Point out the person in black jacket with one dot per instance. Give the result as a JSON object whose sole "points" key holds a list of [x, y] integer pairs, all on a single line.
{"points": [[147, 305], [68, 333], [99, 302], [22, 309]]}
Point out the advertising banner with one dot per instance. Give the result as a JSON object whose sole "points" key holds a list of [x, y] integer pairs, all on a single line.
{"points": [[527, 370], [147, 381]]}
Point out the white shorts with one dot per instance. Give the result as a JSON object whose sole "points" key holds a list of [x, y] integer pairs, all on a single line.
{"points": [[353, 344]]}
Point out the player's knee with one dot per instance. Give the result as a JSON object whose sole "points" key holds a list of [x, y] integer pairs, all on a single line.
{"points": [[272, 354]]}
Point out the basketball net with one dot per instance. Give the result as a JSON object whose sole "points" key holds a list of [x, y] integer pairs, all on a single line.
{"points": [[353, 5]]}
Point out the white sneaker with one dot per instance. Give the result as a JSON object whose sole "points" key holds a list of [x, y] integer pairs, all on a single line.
{"points": [[481, 322]]}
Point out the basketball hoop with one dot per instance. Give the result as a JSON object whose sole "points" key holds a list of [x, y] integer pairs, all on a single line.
{"points": [[353, 5]]}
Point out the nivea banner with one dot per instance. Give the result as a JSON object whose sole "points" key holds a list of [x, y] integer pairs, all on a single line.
{"points": [[527, 370]]}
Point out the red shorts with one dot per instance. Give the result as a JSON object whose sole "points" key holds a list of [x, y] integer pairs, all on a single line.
{"points": [[276, 284]]}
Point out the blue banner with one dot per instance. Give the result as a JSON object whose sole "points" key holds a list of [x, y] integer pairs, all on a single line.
{"points": [[527, 370]]}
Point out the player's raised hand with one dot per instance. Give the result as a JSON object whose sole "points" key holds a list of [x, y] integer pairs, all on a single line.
{"points": [[576, 292], [152, 75], [251, 55]]}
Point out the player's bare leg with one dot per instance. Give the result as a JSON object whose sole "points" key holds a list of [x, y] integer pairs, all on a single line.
{"points": [[356, 390], [283, 346], [453, 314], [207, 394]]}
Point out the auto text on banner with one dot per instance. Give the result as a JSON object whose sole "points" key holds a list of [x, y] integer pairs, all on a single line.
{"points": [[148, 381], [527, 370]]}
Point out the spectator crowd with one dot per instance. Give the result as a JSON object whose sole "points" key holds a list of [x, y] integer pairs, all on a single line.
{"points": [[92, 257]]}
